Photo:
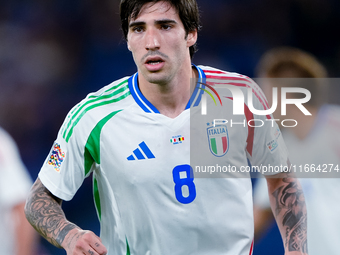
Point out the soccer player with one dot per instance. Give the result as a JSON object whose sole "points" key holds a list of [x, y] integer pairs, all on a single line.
{"points": [[134, 135], [313, 142], [16, 234]]}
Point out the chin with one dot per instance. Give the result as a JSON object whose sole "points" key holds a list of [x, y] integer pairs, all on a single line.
{"points": [[157, 78], [158, 81]]}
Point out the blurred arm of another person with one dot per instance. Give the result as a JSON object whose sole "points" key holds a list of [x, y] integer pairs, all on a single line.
{"points": [[16, 234], [25, 236]]}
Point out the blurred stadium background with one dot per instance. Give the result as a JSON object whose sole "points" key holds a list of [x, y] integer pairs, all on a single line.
{"points": [[53, 53]]}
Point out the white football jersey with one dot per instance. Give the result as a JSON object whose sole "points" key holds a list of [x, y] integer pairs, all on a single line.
{"points": [[150, 192]]}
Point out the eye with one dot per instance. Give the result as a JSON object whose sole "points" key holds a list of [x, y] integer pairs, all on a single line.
{"points": [[166, 27], [137, 29]]}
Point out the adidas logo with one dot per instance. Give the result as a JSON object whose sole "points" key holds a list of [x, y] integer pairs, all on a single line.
{"points": [[143, 152]]}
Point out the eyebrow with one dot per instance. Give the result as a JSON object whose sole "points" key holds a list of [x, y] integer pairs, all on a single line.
{"points": [[136, 24], [157, 22], [165, 21]]}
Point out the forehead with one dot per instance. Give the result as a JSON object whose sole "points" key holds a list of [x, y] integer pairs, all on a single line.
{"points": [[160, 9]]}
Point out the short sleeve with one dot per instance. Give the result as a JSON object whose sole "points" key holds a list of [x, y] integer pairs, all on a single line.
{"points": [[75, 153], [63, 171], [269, 152], [15, 182]]}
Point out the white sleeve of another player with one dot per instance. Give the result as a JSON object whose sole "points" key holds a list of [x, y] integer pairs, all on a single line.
{"points": [[15, 181]]}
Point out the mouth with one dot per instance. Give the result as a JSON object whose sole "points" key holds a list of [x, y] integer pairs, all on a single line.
{"points": [[154, 63]]}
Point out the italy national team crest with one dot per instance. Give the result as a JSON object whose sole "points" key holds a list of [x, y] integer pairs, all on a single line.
{"points": [[218, 139], [56, 158]]}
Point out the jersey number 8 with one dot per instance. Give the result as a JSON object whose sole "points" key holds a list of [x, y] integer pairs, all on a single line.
{"points": [[186, 179]]}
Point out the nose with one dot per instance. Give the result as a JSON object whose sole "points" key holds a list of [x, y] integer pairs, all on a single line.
{"points": [[152, 40]]}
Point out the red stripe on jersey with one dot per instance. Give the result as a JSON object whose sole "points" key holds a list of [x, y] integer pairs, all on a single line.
{"points": [[213, 71], [227, 78], [241, 77], [229, 83], [221, 72], [251, 129], [256, 90], [251, 248]]}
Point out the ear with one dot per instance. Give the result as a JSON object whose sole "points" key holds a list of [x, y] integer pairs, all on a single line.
{"points": [[128, 45], [192, 38]]}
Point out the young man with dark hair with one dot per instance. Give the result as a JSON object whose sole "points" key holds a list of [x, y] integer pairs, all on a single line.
{"points": [[134, 136]]}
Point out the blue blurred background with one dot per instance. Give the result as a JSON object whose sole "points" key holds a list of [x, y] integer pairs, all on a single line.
{"points": [[53, 53]]}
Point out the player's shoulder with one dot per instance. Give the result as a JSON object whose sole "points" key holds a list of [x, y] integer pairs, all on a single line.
{"points": [[107, 101], [220, 77], [215, 73], [5, 138], [3, 133], [8, 145], [215, 76], [110, 94], [110, 89]]}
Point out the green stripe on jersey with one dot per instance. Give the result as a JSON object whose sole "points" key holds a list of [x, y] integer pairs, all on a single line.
{"points": [[97, 198], [67, 135], [114, 100], [127, 247], [92, 147], [91, 96], [91, 102], [92, 154]]}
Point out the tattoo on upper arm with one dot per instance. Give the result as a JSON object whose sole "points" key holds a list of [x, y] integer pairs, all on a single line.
{"points": [[290, 203], [44, 212]]}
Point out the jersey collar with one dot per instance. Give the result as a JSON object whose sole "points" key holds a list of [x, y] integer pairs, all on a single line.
{"points": [[194, 101]]}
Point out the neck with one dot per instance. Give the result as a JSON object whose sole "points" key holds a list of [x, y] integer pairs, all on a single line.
{"points": [[170, 98]]}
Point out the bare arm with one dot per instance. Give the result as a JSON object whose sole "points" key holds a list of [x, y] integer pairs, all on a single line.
{"points": [[43, 210], [289, 208]]}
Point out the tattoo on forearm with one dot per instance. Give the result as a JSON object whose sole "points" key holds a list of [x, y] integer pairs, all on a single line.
{"points": [[290, 204], [44, 213], [74, 238], [63, 232]]}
